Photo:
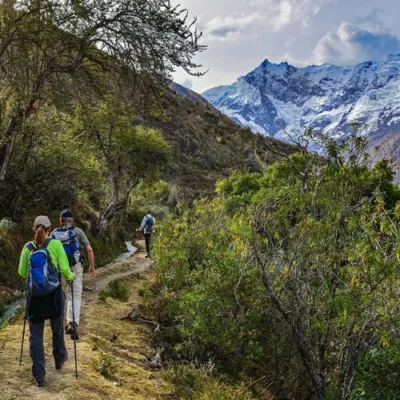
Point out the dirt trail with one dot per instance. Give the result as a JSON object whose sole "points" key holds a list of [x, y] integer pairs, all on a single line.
{"points": [[132, 378]]}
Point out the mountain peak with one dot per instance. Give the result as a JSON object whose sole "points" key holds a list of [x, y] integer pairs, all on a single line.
{"points": [[326, 98]]}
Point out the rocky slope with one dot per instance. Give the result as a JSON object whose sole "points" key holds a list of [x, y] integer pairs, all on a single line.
{"points": [[328, 98]]}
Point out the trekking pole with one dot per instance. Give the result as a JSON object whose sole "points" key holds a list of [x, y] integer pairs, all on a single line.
{"points": [[23, 333], [22, 343], [74, 325]]}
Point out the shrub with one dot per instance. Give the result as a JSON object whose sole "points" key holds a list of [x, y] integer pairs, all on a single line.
{"points": [[115, 289], [106, 366]]}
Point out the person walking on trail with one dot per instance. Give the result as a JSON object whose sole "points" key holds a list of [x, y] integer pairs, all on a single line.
{"points": [[42, 262], [147, 228], [73, 239]]}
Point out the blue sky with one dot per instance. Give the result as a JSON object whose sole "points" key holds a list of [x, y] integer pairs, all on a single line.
{"points": [[242, 33]]}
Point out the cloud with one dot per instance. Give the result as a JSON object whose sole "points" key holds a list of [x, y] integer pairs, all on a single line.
{"points": [[351, 44], [282, 13], [372, 19], [231, 27]]}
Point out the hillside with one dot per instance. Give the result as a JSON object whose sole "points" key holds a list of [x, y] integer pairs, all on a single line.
{"points": [[327, 98], [207, 145]]}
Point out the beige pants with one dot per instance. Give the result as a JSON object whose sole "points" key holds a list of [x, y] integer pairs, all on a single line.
{"points": [[77, 269]]}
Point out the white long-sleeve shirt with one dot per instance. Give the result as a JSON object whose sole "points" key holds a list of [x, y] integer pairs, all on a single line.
{"points": [[143, 225]]}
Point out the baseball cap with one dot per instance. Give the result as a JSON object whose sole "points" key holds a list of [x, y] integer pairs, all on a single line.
{"points": [[42, 220], [66, 214]]}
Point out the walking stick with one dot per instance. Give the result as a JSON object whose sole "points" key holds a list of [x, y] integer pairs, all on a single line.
{"points": [[23, 331], [74, 325], [22, 343]]}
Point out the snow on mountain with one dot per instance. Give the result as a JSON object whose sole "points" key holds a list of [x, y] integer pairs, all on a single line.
{"points": [[326, 98]]}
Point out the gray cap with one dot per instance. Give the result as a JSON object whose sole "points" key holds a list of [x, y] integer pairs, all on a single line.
{"points": [[42, 220]]}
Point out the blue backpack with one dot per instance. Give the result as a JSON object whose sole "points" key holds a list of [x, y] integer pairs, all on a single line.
{"points": [[42, 276], [148, 225], [67, 237]]}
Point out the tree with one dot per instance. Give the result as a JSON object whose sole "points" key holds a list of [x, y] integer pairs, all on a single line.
{"points": [[43, 42], [130, 153]]}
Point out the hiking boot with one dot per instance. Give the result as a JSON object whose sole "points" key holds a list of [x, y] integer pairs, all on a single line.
{"points": [[69, 329], [75, 335], [147, 256], [40, 382], [61, 366]]}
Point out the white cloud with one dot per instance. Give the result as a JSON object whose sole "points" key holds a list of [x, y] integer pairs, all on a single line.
{"points": [[282, 13], [351, 44], [231, 27]]}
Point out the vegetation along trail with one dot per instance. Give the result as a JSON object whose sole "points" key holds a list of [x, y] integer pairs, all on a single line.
{"points": [[111, 352]]}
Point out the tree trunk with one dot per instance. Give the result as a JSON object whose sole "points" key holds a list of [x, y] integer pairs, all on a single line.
{"points": [[12, 133], [13, 130]]}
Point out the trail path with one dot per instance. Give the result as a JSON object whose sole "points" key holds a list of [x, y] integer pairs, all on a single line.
{"points": [[100, 321]]}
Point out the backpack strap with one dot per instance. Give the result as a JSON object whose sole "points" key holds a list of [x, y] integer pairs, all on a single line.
{"points": [[46, 242], [31, 246]]}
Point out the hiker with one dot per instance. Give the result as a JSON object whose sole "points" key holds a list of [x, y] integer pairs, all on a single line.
{"points": [[73, 238], [147, 228], [42, 262]]}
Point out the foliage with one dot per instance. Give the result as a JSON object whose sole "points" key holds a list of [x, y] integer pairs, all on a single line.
{"points": [[130, 154], [106, 366], [377, 375], [45, 44], [115, 289], [288, 273], [5, 225]]}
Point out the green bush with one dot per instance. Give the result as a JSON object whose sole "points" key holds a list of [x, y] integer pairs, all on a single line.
{"points": [[115, 289], [106, 366], [378, 375]]}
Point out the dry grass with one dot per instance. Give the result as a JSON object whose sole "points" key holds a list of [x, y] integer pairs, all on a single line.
{"points": [[101, 321]]}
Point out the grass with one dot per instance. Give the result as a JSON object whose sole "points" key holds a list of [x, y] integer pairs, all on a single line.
{"points": [[199, 384]]}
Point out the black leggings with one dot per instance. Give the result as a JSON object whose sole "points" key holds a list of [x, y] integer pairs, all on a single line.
{"points": [[147, 238]]}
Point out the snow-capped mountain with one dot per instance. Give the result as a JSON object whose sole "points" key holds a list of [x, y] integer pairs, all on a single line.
{"points": [[326, 98]]}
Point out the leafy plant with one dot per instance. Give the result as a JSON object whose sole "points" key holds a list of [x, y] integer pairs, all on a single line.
{"points": [[115, 289], [106, 366]]}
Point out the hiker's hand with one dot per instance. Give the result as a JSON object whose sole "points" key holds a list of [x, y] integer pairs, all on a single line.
{"points": [[91, 271], [73, 277]]}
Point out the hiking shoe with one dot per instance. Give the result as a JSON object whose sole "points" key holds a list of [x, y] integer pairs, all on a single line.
{"points": [[40, 382], [75, 335], [69, 329], [61, 366], [147, 256]]}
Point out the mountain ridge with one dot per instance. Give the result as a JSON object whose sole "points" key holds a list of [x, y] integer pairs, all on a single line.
{"points": [[275, 98]]}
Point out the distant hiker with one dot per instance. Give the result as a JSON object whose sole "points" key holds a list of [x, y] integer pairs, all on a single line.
{"points": [[42, 262], [147, 228], [72, 239]]}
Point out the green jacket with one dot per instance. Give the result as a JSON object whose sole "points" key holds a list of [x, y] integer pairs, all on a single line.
{"points": [[58, 258]]}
